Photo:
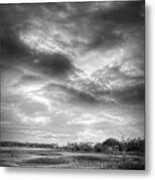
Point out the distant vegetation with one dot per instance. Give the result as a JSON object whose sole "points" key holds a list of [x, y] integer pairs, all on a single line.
{"points": [[111, 145], [20, 144]]}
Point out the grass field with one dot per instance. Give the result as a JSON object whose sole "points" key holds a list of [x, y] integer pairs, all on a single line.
{"points": [[56, 158]]}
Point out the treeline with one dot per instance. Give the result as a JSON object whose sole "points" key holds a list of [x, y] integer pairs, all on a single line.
{"points": [[110, 145], [25, 144]]}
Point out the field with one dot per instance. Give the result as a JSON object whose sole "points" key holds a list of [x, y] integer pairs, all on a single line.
{"points": [[57, 158]]}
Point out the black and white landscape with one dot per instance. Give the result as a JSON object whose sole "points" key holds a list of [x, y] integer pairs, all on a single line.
{"points": [[73, 84]]}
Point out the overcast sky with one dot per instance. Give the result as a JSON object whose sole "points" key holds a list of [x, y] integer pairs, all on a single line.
{"points": [[72, 72]]}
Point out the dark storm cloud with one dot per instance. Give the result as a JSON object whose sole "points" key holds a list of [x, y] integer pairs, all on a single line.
{"points": [[107, 22], [127, 12], [113, 24], [132, 95], [55, 64], [106, 39], [15, 18], [90, 21], [11, 47]]}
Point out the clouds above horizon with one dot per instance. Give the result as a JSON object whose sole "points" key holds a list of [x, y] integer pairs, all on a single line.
{"points": [[73, 69]]}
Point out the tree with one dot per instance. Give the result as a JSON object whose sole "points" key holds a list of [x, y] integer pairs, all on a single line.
{"points": [[111, 142], [98, 147]]}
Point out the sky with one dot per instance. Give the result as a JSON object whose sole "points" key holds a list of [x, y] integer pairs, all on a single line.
{"points": [[72, 72]]}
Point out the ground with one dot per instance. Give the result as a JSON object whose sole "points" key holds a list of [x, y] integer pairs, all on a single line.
{"points": [[56, 158]]}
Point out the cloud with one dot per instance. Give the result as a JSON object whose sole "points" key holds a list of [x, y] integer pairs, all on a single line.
{"points": [[11, 47], [50, 136], [90, 135], [113, 85], [114, 23], [79, 92], [123, 12], [30, 119], [73, 68], [85, 119], [55, 64], [123, 86], [96, 24]]}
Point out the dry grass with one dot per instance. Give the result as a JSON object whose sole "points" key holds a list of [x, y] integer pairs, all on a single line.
{"points": [[61, 159], [46, 161]]}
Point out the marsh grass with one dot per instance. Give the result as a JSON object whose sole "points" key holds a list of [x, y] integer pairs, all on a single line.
{"points": [[46, 161], [29, 157]]}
